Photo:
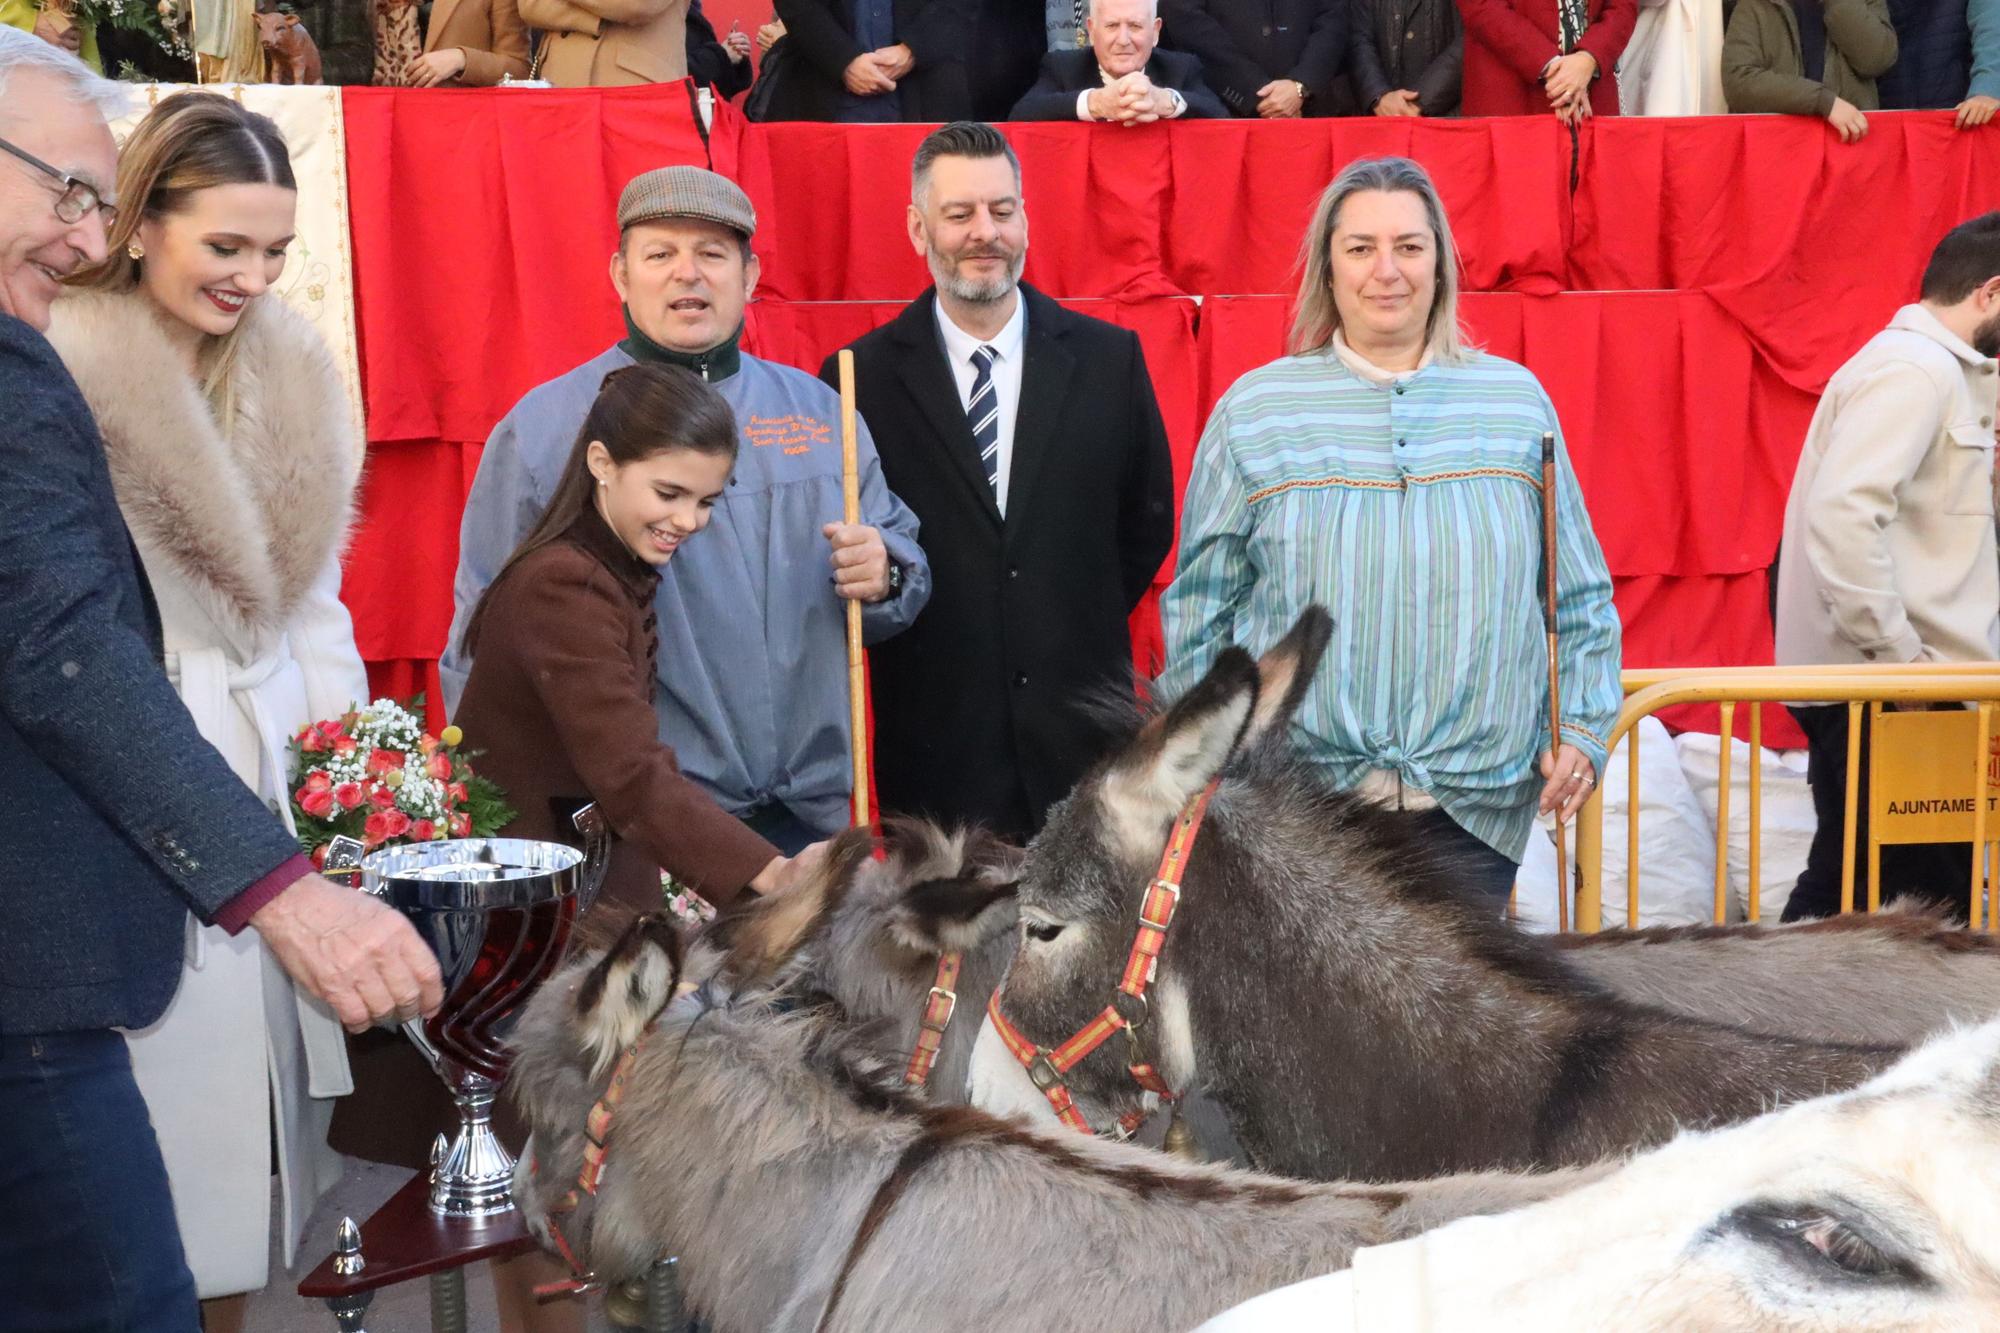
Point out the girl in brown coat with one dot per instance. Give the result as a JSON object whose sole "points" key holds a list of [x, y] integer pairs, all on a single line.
{"points": [[560, 694], [564, 643]]}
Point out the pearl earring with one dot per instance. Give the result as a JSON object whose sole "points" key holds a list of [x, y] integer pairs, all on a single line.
{"points": [[135, 250]]}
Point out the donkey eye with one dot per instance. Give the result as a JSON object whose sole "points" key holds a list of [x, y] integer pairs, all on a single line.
{"points": [[1041, 931], [1817, 1237]]}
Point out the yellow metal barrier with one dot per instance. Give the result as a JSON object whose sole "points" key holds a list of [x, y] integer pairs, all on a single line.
{"points": [[1856, 686]]}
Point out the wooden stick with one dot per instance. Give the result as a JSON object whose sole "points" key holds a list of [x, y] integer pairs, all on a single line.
{"points": [[1555, 684], [850, 502]]}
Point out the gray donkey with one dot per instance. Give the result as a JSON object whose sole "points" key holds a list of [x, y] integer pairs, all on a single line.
{"points": [[1891, 978], [779, 1156], [1325, 981]]}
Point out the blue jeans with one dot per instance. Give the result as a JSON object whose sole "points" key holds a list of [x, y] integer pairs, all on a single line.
{"points": [[1476, 866], [87, 1233]]}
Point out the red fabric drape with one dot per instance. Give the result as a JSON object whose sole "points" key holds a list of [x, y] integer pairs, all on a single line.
{"points": [[483, 222]]}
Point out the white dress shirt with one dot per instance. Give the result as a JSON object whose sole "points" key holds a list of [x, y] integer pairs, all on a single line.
{"points": [[1009, 353], [1105, 80]]}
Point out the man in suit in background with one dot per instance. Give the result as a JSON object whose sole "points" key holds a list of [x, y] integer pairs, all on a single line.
{"points": [[116, 818], [1278, 59], [1122, 76], [1028, 443]]}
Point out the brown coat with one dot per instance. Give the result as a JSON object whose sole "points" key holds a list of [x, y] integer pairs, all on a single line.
{"points": [[610, 43], [560, 702], [491, 34]]}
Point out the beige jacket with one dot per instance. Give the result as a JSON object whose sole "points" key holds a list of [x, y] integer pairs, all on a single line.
{"points": [[609, 43], [1889, 552], [491, 34]]}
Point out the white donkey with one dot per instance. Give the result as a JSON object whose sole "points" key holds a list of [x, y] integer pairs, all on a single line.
{"points": [[1873, 1209]]}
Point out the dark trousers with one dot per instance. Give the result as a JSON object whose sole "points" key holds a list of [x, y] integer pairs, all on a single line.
{"points": [[87, 1234], [1477, 866], [1934, 872]]}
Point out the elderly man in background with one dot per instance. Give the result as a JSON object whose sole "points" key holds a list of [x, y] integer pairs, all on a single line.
{"points": [[116, 818], [1889, 552], [1279, 59], [1121, 76]]}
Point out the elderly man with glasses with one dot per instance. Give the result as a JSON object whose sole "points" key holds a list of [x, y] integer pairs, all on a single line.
{"points": [[117, 821]]}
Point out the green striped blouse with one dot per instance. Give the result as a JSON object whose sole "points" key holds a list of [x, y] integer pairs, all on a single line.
{"points": [[1412, 512]]}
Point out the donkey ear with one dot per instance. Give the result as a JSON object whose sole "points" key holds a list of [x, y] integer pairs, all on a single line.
{"points": [[1176, 754], [955, 888], [1285, 673], [761, 936], [628, 986]]}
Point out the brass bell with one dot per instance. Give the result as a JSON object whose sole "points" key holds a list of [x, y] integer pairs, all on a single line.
{"points": [[625, 1304], [1180, 1141]]}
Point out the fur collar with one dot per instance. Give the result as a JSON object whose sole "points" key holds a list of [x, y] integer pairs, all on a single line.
{"points": [[251, 521]]}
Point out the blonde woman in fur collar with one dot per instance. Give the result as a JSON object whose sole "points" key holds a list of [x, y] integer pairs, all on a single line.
{"points": [[227, 433]]}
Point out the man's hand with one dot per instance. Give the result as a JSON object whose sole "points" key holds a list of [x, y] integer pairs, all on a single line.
{"points": [[1398, 102], [1976, 110], [352, 951], [1847, 120], [433, 68], [1566, 79], [860, 561], [1280, 99], [895, 61], [864, 77], [1570, 780], [768, 35]]}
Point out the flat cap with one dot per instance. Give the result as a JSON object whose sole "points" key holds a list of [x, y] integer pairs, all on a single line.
{"points": [[686, 192]]}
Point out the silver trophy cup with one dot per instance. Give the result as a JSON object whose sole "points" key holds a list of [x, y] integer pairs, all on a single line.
{"points": [[498, 914]]}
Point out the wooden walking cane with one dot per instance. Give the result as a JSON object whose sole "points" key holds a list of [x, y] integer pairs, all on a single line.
{"points": [[1555, 685], [850, 501]]}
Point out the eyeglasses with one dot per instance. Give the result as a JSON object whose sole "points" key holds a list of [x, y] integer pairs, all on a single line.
{"points": [[77, 198]]}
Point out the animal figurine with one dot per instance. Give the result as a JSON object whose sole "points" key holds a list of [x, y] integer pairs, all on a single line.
{"points": [[290, 54]]}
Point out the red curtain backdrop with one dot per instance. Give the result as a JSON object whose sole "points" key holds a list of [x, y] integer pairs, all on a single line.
{"points": [[1683, 308]]}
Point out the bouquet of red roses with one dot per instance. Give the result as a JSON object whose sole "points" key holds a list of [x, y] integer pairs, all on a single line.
{"points": [[375, 774]]}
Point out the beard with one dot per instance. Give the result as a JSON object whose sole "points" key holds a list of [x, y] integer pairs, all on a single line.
{"points": [[1986, 338], [980, 291]]}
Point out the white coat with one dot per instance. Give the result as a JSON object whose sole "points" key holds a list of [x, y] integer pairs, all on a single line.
{"points": [[241, 537]]}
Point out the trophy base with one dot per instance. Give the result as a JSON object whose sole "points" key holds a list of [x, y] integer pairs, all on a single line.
{"points": [[472, 1177]]}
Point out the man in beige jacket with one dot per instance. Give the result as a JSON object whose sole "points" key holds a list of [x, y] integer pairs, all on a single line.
{"points": [[1889, 552]]}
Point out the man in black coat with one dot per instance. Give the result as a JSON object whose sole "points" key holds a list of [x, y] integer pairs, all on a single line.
{"points": [[1406, 57], [723, 64], [1271, 58], [874, 60], [117, 819], [1028, 443], [1121, 75]]}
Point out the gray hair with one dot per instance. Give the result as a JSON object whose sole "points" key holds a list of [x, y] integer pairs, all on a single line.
{"points": [[961, 138], [1152, 9], [1318, 318], [24, 52]]}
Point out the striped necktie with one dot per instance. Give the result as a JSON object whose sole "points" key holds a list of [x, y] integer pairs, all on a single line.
{"points": [[983, 412], [1082, 11]]}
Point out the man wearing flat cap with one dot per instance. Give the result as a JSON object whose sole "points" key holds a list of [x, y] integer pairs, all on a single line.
{"points": [[752, 689]]}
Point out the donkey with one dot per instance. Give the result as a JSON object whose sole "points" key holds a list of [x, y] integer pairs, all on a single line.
{"points": [[1326, 982], [1823, 1215], [803, 1188], [1891, 978]]}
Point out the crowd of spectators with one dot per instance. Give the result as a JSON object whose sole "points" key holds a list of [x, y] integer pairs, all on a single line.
{"points": [[1136, 61]]}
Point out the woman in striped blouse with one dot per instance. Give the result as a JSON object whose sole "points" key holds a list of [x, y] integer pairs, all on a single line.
{"points": [[1391, 473]]}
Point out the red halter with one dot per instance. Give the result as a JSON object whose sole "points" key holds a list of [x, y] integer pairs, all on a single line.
{"points": [[938, 1009], [1128, 1008], [596, 1135]]}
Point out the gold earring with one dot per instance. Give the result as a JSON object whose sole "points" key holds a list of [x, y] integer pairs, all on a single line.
{"points": [[135, 250]]}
